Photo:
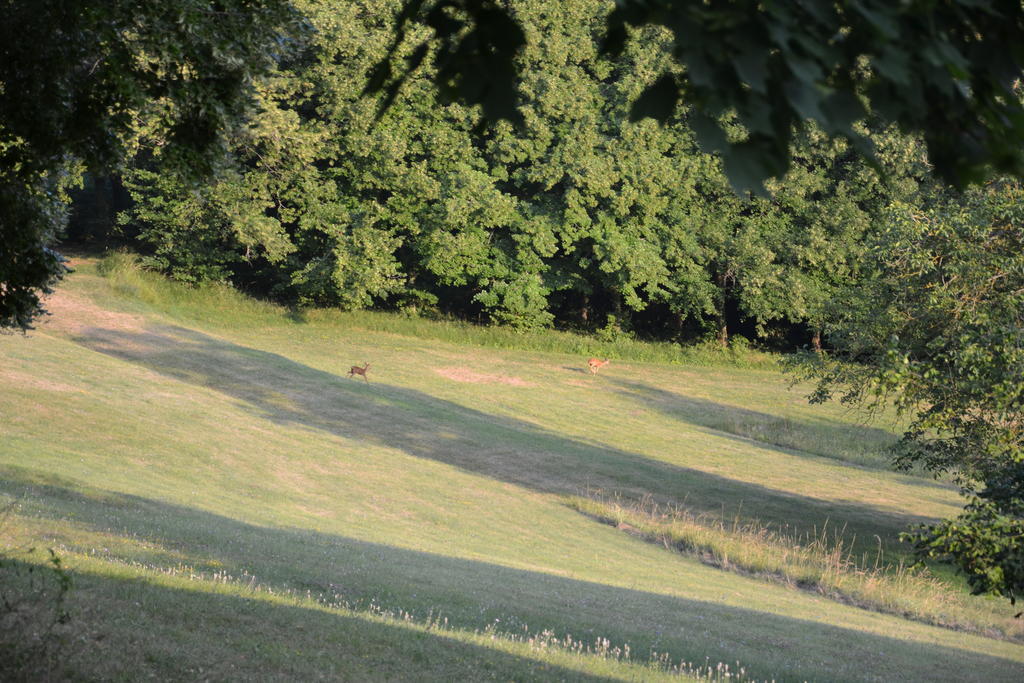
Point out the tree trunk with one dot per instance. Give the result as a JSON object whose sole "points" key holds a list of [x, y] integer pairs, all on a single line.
{"points": [[677, 325], [102, 219], [816, 341], [616, 300], [723, 326]]}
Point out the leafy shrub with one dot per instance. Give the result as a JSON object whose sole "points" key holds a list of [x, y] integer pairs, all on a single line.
{"points": [[33, 614]]}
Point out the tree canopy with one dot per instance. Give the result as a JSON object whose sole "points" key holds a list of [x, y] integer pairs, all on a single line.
{"points": [[938, 329], [77, 76], [949, 71], [577, 214]]}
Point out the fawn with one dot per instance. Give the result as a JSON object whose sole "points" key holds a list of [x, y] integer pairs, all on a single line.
{"points": [[356, 370], [594, 364]]}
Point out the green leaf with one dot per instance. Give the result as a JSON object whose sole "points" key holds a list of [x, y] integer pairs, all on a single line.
{"points": [[658, 101], [881, 20], [709, 133], [752, 67], [748, 164], [893, 65], [805, 99], [841, 109]]}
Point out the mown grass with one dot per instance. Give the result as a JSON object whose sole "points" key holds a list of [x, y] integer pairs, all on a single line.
{"points": [[325, 637], [246, 602], [176, 438], [830, 433]]}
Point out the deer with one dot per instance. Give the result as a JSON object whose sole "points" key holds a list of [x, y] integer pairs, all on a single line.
{"points": [[594, 364], [356, 370]]}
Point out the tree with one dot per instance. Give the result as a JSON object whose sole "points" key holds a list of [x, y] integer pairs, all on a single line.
{"points": [[949, 71], [76, 77], [788, 253], [939, 330], [576, 214]]}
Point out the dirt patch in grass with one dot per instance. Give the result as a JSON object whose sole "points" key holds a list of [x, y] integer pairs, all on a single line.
{"points": [[74, 315], [473, 377]]}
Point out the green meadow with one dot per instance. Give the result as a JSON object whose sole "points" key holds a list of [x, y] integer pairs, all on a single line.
{"points": [[231, 504]]}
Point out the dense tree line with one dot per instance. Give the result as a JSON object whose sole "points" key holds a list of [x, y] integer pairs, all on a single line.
{"points": [[576, 215], [76, 77]]}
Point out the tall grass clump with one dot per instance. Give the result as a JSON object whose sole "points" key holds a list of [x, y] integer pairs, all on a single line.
{"points": [[821, 562], [214, 302], [219, 303], [622, 347]]}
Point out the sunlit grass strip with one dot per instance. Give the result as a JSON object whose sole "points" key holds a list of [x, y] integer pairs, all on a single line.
{"points": [[821, 563], [222, 305]]}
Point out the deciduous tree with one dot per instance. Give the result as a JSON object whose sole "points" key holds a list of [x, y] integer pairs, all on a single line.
{"points": [[938, 329], [76, 75]]}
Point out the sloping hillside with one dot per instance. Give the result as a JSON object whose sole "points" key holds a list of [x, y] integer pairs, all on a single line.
{"points": [[231, 503]]}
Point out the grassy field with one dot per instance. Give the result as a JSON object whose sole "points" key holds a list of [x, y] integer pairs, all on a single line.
{"points": [[230, 504]]}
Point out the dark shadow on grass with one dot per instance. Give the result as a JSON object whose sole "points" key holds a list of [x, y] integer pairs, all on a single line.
{"points": [[784, 433], [123, 629], [283, 391], [297, 315], [732, 420], [218, 630]]}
